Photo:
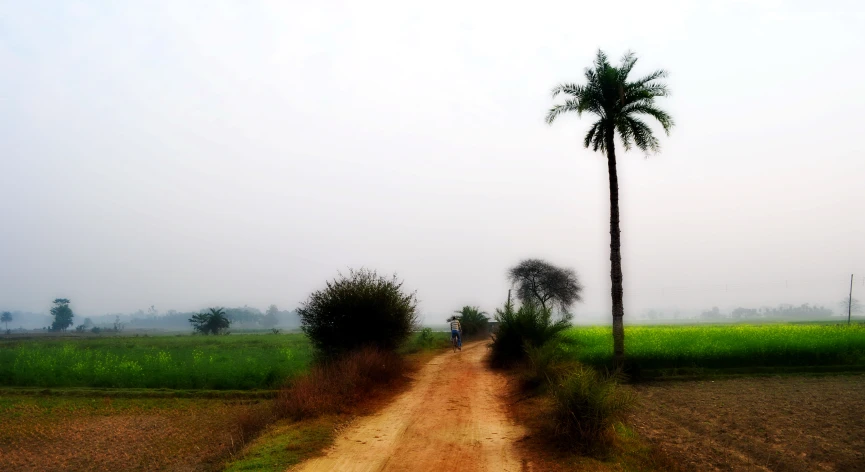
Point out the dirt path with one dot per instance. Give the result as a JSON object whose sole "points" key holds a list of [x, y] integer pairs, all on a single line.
{"points": [[452, 418]]}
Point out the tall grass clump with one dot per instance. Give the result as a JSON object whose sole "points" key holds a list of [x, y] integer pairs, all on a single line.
{"points": [[359, 310], [586, 406], [530, 325]]}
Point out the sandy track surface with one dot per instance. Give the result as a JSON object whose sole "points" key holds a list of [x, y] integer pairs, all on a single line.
{"points": [[452, 418]]}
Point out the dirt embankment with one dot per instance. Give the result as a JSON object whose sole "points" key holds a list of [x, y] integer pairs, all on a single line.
{"points": [[452, 418]]}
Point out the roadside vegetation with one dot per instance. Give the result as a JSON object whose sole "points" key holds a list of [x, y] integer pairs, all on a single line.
{"points": [[360, 326], [581, 406]]}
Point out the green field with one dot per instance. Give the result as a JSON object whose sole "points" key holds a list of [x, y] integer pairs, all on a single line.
{"points": [[691, 349], [235, 362]]}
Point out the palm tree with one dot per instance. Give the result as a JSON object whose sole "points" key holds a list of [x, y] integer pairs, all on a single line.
{"points": [[619, 105]]}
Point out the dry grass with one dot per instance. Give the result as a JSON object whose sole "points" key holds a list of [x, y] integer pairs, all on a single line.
{"points": [[337, 386]]}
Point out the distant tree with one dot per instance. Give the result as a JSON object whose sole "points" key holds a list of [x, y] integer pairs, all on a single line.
{"points": [[244, 315], [540, 282], [212, 321], [711, 314], [620, 105], [62, 314], [6, 317], [473, 320], [118, 325], [270, 317]]}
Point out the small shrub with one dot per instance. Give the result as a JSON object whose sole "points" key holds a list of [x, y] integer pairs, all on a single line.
{"points": [[339, 383], [96, 330], [361, 309], [587, 405], [275, 330], [531, 325]]}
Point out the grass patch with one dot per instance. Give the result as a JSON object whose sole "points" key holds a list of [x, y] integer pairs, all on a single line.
{"points": [[425, 340], [655, 351], [237, 362], [287, 443]]}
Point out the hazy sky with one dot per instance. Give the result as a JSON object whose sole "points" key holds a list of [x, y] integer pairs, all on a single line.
{"points": [[184, 154]]}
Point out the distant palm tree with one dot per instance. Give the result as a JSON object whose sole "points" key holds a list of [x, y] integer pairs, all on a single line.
{"points": [[618, 105], [472, 320], [214, 322]]}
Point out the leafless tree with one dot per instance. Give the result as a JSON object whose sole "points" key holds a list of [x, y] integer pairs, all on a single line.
{"points": [[538, 281]]}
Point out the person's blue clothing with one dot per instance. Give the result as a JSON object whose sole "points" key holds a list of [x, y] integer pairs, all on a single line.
{"points": [[456, 334]]}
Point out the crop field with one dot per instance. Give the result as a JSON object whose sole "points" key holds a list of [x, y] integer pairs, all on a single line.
{"points": [[236, 362], [688, 349]]}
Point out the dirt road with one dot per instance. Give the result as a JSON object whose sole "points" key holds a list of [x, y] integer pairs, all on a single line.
{"points": [[452, 418]]}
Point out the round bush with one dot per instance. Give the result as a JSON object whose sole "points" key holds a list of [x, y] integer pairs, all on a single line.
{"points": [[359, 310]]}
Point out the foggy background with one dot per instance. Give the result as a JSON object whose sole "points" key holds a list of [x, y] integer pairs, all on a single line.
{"points": [[191, 154]]}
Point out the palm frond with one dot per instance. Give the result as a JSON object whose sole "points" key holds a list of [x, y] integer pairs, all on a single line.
{"points": [[628, 61], [570, 89], [601, 60], [643, 136], [649, 109], [658, 74], [555, 111], [600, 141], [591, 134], [625, 131]]}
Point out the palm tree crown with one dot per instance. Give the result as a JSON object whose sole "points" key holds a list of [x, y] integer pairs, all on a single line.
{"points": [[617, 103]]}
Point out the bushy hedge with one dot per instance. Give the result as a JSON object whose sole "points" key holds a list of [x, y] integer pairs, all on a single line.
{"points": [[359, 310]]}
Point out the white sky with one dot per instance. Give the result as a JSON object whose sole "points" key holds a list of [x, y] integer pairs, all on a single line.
{"points": [[185, 154]]}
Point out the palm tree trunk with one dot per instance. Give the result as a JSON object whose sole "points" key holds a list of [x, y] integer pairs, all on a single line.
{"points": [[615, 255]]}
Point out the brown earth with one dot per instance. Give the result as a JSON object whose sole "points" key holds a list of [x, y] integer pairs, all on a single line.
{"points": [[452, 418], [758, 424], [103, 434]]}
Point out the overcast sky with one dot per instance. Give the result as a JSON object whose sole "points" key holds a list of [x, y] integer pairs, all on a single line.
{"points": [[186, 154]]}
